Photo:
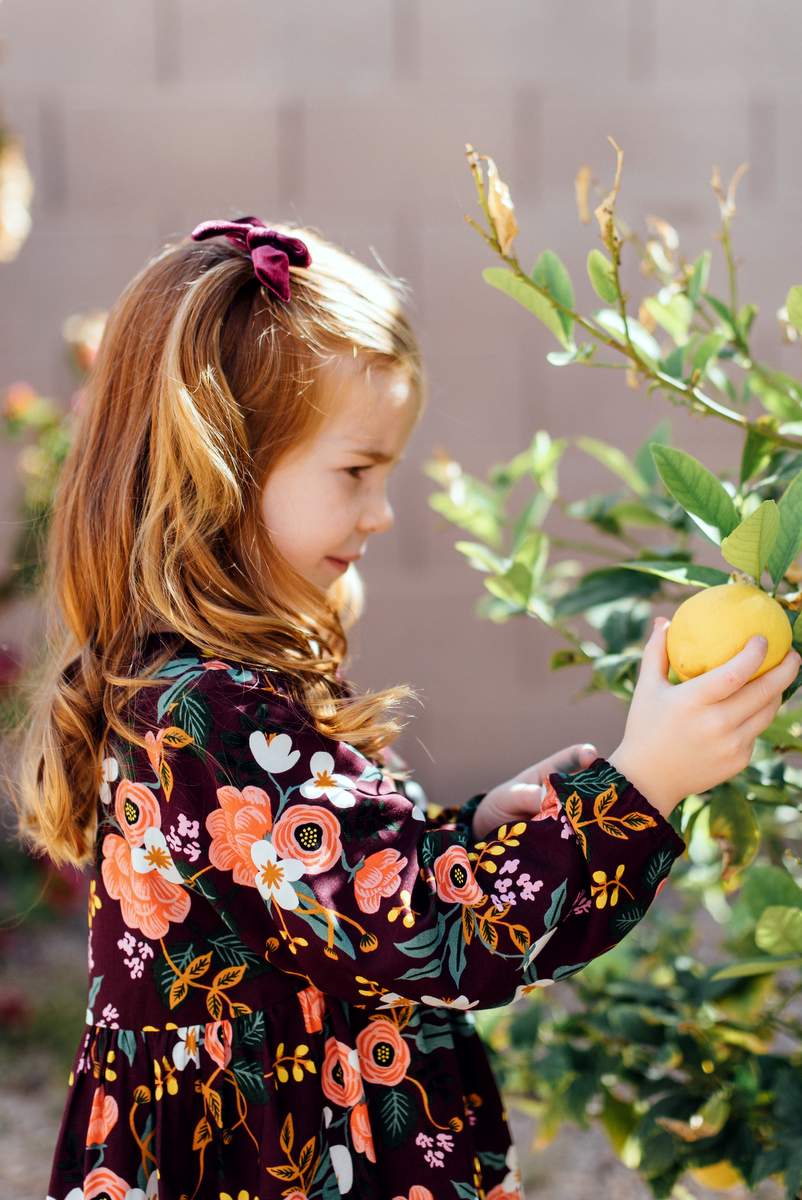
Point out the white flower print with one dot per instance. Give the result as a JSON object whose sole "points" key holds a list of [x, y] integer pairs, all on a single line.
{"points": [[137, 953], [154, 855], [529, 889], [274, 875], [416, 794], [461, 1002], [343, 1168], [110, 1017], [534, 950], [188, 1048], [273, 752], [325, 782], [151, 1193], [111, 770], [186, 829]]}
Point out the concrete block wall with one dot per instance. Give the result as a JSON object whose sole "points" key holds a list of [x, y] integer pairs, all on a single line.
{"points": [[141, 119]]}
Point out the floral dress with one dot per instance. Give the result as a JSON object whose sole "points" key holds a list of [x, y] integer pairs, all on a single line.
{"points": [[285, 948]]}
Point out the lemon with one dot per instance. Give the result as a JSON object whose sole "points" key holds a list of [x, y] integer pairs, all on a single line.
{"points": [[713, 625], [720, 1176]]}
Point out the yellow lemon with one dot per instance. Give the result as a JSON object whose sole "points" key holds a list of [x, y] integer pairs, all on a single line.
{"points": [[713, 625], [720, 1177]]}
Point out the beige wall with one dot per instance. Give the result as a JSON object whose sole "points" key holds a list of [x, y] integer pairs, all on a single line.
{"points": [[143, 117]]}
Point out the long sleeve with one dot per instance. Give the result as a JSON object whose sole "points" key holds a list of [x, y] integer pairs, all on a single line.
{"points": [[347, 885]]}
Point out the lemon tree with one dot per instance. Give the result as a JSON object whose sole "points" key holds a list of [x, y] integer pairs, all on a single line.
{"points": [[693, 1068]]}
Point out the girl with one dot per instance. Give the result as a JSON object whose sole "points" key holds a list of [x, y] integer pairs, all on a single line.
{"points": [[284, 947]]}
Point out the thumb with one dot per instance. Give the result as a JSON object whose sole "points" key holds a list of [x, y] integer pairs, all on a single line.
{"points": [[654, 662]]}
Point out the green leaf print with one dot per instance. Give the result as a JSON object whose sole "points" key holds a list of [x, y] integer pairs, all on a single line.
{"points": [[397, 1117], [558, 897]]}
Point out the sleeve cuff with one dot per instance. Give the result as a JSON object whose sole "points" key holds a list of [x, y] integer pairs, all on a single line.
{"points": [[604, 807]]}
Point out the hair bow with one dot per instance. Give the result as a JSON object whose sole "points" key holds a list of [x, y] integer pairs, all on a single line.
{"points": [[271, 252]]}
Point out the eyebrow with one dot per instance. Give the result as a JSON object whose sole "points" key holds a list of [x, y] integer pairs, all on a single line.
{"points": [[377, 455]]}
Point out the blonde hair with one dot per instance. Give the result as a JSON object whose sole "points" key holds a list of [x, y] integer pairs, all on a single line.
{"points": [[202, 382]]}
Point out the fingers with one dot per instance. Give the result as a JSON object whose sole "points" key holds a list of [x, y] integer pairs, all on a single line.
{"points": [[756, 724], [760, 693], [570, 758], [725, 680]]}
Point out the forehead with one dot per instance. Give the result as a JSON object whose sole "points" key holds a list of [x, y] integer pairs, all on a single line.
{"points": [[368, 404]]}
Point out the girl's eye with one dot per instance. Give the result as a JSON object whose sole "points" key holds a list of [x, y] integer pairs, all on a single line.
{"points": [[354, 471]]}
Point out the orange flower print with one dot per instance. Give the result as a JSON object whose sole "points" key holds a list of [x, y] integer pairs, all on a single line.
{"points": [[417, 1192], [361, 1133], [137, 810], [244, 817], [102, 1118], [310, 835], [550, 805], [148, 900], [295, 1194], [340, 1078], [455, 879], [383, 1053], [379, 875], [500, 1192], [312, 1005], [325, 782], [103, 1184], [217, 1040]]}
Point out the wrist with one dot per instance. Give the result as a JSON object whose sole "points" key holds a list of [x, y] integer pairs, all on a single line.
{"points": [[660, 798]]}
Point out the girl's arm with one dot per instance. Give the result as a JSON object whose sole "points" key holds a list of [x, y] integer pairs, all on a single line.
{"points": [[309, 850]]}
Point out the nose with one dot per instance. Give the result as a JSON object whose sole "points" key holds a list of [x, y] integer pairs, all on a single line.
{"points": [[377, 517]]}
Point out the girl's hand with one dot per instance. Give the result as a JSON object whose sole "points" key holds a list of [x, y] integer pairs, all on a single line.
{"points": [[520, 797]]}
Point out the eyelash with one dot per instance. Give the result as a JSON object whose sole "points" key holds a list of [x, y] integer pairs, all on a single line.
{"points": [[350, 471]]}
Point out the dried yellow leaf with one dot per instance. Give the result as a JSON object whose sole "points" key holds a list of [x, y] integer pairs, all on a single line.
{"points": [[500, 206]]}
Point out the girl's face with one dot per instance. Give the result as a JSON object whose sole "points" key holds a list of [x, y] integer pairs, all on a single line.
{"points": [[324, 500]]}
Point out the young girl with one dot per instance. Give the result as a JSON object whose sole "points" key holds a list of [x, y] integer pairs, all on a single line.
{"points": [[284, 947]]}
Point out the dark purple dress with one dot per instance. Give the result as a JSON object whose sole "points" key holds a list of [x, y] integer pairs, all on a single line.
{"points": [[285, 949]]}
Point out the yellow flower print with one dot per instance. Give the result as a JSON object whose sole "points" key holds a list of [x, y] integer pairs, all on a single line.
{"points": [[600, 891], [95, 903], [164, 1079], [241, 1195]]}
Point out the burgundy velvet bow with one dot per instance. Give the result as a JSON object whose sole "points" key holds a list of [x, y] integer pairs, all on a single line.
{"points": [[271, 252]]}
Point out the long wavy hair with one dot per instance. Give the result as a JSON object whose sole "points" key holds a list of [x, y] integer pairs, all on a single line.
{"points": [[202, 382]]}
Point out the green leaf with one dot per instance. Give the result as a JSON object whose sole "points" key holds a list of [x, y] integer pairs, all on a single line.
{"points": [[602, 276], [707, 348], [723, 312], [514, 586], [789, 538], [643, 459], [581, 353], [732, 820], [697, 490], [756, 455], [749, 545], [674, 315], [779, 930], [481, 557], [793, 302], [641, 339], [602, 586], [672, 364], [550, 273], [512, 285], [616, 461], [757, 966], [699, 277], [766, 884], [690, 574]]}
